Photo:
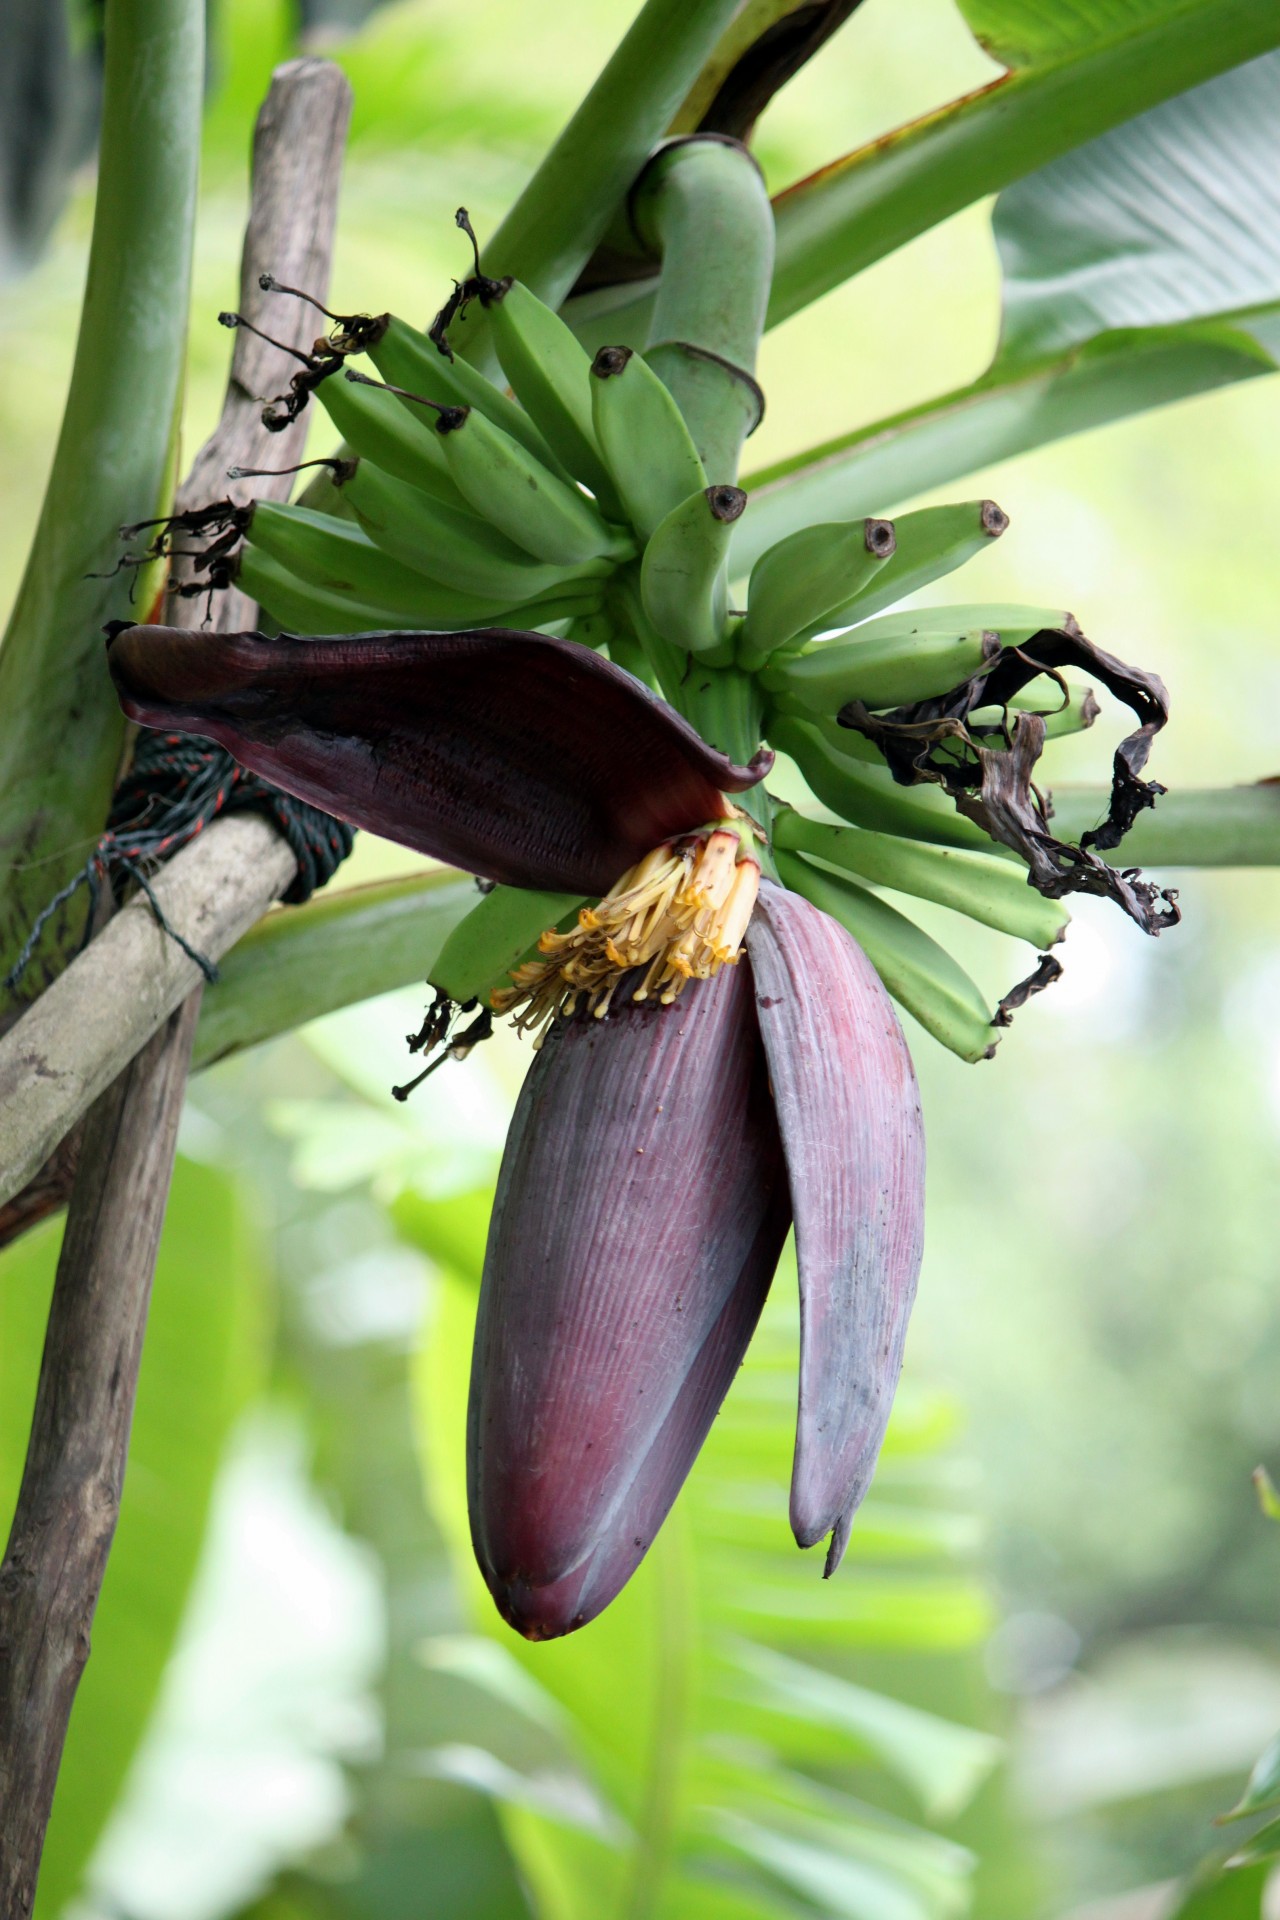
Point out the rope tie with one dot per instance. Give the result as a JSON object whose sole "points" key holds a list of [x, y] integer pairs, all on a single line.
{"points": [[174, 788]]}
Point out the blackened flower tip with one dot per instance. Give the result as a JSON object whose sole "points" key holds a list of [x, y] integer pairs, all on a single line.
{"points": [[679, 914]]}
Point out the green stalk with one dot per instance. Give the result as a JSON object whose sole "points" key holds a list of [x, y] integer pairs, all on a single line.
{"points": [[866, 205], [1191, 827], [704, 207], [63, 729], [554, 227], [1014, 406]]}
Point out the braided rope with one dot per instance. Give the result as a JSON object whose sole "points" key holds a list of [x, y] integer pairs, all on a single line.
{"points": [[175, 787]]}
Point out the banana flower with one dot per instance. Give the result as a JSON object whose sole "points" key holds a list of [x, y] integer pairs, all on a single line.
{"points": [[718, 1062]]}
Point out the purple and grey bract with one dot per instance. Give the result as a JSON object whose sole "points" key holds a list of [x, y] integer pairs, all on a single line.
{"points": [[641, 1208], [650, 1176], [849, 1110], [514, 755]]}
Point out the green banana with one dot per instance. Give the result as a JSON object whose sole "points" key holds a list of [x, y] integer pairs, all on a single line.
{"points": [[550, 375], [888, 672], [549, 517], [1077, 716], [340, 558], [497, 933], [930, 543], [457, 549], [795, 584], [300, 607], [642, 437], [377, 427], [406, 358], [867, 793], [921, 975], [335, 565], [901, 657], [683, 581], [992, 891]]}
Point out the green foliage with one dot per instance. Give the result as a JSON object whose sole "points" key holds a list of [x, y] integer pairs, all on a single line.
{"points": [[743, 1769], [1171, 217], [202, 1362], [1120, 292], [1070, 85], [342, 946], [733, 1738]]}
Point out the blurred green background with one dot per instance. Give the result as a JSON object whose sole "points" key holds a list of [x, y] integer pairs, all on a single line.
{"points": [[1064, 1548]]}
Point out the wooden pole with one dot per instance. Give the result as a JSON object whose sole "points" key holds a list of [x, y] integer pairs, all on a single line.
{"points": [[74, 1473]]}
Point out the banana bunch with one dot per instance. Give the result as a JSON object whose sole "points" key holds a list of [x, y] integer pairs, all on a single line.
{"points": [[576, 500], [465, 506]]}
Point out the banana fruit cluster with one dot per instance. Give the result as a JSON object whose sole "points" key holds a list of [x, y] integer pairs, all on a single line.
{"points": [[576, 502]]}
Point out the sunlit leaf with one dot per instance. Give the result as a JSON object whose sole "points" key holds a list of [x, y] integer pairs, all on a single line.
{"points": [[1171, 217], [1264, 1845], [1216, 1894], [944, 1763], [687, 1752], [1262, 1790], [1268, 1495]]}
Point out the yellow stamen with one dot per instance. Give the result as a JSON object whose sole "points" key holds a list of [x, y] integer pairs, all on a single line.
{"points": [[680, 914]]}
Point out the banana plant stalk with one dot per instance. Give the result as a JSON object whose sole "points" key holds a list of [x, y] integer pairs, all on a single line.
{"points": [[113, 464]]}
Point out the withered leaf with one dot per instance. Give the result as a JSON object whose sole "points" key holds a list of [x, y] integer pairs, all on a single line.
{"points": [[987, 770]]}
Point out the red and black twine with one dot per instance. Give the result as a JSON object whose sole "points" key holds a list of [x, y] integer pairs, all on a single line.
{"points": [[174, 788]]}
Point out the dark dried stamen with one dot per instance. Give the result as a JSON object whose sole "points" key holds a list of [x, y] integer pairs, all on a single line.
{"points": [[476, 286], [340, 469], [439, 1030], [450, 417]]}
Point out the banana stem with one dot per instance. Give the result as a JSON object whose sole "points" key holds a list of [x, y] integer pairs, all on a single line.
{"points": [[703, 205], [726, 707], [63, 728]]}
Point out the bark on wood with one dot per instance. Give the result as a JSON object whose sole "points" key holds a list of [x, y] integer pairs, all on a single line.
{"points": [[132, 1000], [71, 1486], [65, 1050], [76, 1037], [297, 164]]}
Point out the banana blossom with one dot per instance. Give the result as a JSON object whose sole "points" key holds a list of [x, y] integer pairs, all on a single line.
{"points": [[719, 1061]]}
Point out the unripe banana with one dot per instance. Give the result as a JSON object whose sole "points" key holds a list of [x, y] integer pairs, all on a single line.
{"points": [[494, 937], [550, 375], [868, 794], [549, 517], [642, 436], [456, 548], [406, 358], [995, 892], [884, 664], [683, 582], [377, 427], [1079, 713], [796, 583], [298, 606], [335, 574], [930, 543], [906, 656], [921, 975]]}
